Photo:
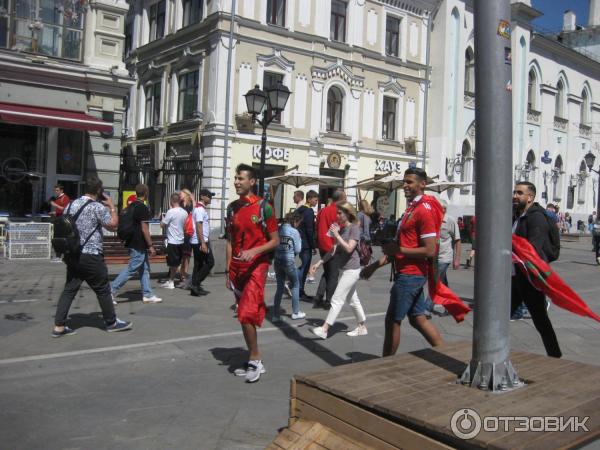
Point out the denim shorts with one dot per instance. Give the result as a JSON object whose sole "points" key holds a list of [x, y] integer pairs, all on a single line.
{"points": [[406, 297]]}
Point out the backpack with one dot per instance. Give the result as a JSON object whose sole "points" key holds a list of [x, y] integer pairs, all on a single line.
{"points": [[66, 240], [365, 252], [188, 226], [126, 226], [552, 246]]}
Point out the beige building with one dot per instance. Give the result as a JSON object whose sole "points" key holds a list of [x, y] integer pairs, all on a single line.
{"points": [[356, 69]]}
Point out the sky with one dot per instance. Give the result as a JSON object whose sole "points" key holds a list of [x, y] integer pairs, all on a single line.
{"points": [[553, 11]]}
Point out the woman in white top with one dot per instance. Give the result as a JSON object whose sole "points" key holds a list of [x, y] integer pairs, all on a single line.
{"points": [[346, 233]]}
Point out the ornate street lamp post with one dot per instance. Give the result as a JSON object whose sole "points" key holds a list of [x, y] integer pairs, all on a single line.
{"points": [[269, 105], [589, 162]]}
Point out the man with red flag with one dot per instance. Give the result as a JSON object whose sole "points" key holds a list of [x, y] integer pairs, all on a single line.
{"points": [[531, 224], [412, 253]]}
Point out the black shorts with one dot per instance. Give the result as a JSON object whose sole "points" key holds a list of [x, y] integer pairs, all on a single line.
{"points": [[174, 255]]}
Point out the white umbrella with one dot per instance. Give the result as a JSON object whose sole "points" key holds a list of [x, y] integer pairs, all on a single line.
{"points": [[298, 179], [442, 186], [383, 184]]}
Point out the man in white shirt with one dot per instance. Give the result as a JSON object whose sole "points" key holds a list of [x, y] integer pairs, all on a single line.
{"points": [[203, 257], [174, 222]]}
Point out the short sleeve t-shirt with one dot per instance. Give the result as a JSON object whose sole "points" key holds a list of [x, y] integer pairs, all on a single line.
{"points": [[61, 201], [89, 223], [417, 223], [349, 261], [141, 214], [200, 215], [245, 226], [449, 233], [175, 221]]}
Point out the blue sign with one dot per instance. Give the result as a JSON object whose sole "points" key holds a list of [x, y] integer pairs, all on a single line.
{"points": [[546, 158], [412, 165]]}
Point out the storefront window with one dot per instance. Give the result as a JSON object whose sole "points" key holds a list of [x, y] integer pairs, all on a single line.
{"points": [[69, 152]]}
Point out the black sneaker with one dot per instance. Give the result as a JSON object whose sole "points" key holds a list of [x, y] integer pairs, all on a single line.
{"points": [[197, 292], [119, 325], [65, 332]]}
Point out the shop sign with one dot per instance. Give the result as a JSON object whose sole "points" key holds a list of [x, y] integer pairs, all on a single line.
{"points": [[276, 153], [383, 165]]}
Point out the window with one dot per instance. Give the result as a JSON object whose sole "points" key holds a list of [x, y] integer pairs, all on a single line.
{"points": [[466, 173], [469, 71], [192, 12], [152, 104], [69, 152], [532, 91], [559, 100], [338, 21], [388, 130], [334, 110], [129, 19], [392, 36], [581, 182], [276, 12], [157, 20], [557, 178], [46, 27], [271, 80], [188, 95], [585, 107]]}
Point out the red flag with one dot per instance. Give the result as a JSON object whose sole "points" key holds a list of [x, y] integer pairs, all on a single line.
{"points": [[440, 293], [544, 279]]}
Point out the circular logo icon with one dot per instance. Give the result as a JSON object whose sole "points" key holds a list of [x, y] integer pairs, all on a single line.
{"points": [[13, 169], [465, 423], [254, 219]]}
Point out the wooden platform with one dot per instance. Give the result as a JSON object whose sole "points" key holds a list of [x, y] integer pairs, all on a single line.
{"points": [[115, 251], [407, 401], [309, 434]]}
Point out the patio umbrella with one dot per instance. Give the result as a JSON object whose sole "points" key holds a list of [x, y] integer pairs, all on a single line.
{"points": [[298, 179], [382, 184], [442, 186]]}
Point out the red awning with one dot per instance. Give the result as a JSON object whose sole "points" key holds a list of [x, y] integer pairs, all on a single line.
{"points": [[51, 117]]}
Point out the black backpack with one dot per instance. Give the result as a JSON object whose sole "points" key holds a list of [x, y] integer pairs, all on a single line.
{"points": [[66, 240], [126, 227], [552, 245]]}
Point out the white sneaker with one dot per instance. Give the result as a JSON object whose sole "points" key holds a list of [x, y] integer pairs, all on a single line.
{"points": [[319, 331], [114, 298], [358, 331], [300, 315], [169, 284], [153, 299], [271, 275], [241, 371], [310, 280], [253, 371]]}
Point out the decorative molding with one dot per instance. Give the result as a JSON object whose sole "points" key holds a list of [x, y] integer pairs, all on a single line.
{"points": [[534, 117], [393, 86], [276, 59], [471, 130], [560, 123], [585, 131], [338, 69]]}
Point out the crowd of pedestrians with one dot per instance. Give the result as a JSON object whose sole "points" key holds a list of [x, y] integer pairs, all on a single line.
{"points": [[425, 237]]}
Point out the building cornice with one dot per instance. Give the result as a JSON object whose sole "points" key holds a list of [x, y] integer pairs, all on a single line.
{"points": [[541, 42]]}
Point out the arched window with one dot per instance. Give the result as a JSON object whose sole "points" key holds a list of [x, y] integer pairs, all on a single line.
{"points": [[581, 182], [335, 99], [532, 91], [557, 179], [469, 71], [528, 173], [466, 174], [584, 117], [559, 101]]}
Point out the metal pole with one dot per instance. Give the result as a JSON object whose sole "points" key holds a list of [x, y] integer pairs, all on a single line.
{"points": [[227, 100], [490, 366], [263, 151], [598, 193]]}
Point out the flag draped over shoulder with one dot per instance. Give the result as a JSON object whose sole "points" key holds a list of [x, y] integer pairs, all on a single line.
{"points": [[438, 291], [544, 279]]}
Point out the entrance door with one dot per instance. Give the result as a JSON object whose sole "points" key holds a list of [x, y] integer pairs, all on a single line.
{"points": [[326, 191]]}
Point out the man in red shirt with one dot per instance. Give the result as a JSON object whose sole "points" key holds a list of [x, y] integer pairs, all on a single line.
{"points": [[61, 200], [251, 236], [331, 269], [415, 244]]}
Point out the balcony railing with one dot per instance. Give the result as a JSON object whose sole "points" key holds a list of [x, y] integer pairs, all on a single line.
{"points": [[585, 130], [534, 116], [560, 123]]}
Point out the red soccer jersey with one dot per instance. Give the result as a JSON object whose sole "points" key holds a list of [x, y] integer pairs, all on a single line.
{"points": [[325, 218], [419, 222], [62, 201], [245, 227]]}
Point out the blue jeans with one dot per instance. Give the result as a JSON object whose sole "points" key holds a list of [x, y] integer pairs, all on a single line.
{"points": [[442, 270], [406, 297], [138, 263], [286, 269], [306, 258]]}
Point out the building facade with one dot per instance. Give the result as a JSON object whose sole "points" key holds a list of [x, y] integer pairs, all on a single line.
{"points": [[62, 85], [555, 113], [356, 69]]}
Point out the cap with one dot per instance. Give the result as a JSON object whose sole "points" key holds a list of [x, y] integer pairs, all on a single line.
{"points": [[206, 193]]}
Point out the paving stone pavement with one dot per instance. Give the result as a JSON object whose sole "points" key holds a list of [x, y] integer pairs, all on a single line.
{"points": [[168, 384]]}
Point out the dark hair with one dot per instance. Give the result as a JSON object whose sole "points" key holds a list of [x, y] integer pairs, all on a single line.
{"points": [[300, 193], [246, 168], [141, 190], [93, 185], [529, 185], [311, 194], [420, 173], [59, 186], [292, 218], [175, 198], [338, 195]]}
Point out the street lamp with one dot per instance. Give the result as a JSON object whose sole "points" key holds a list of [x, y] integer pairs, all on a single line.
{"points": [[270, 105], [589, 162]]}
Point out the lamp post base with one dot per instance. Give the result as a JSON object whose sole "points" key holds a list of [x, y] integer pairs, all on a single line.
{"points": [[494, 377]]}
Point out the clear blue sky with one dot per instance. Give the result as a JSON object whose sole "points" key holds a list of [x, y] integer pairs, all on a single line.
{"points": [[553, 12]]}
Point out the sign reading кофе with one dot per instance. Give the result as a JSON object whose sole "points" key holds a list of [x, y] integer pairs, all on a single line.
{"points": [[276, 153]]}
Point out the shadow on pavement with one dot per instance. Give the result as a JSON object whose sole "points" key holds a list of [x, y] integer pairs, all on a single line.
{"points": [[92, 320], [231, 357], [441, 360]]}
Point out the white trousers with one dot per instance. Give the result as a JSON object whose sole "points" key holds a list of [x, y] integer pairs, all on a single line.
{"points": [[346, 292]]}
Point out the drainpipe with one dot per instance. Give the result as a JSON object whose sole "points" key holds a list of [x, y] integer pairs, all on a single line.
{"points": [[227, 101]]}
